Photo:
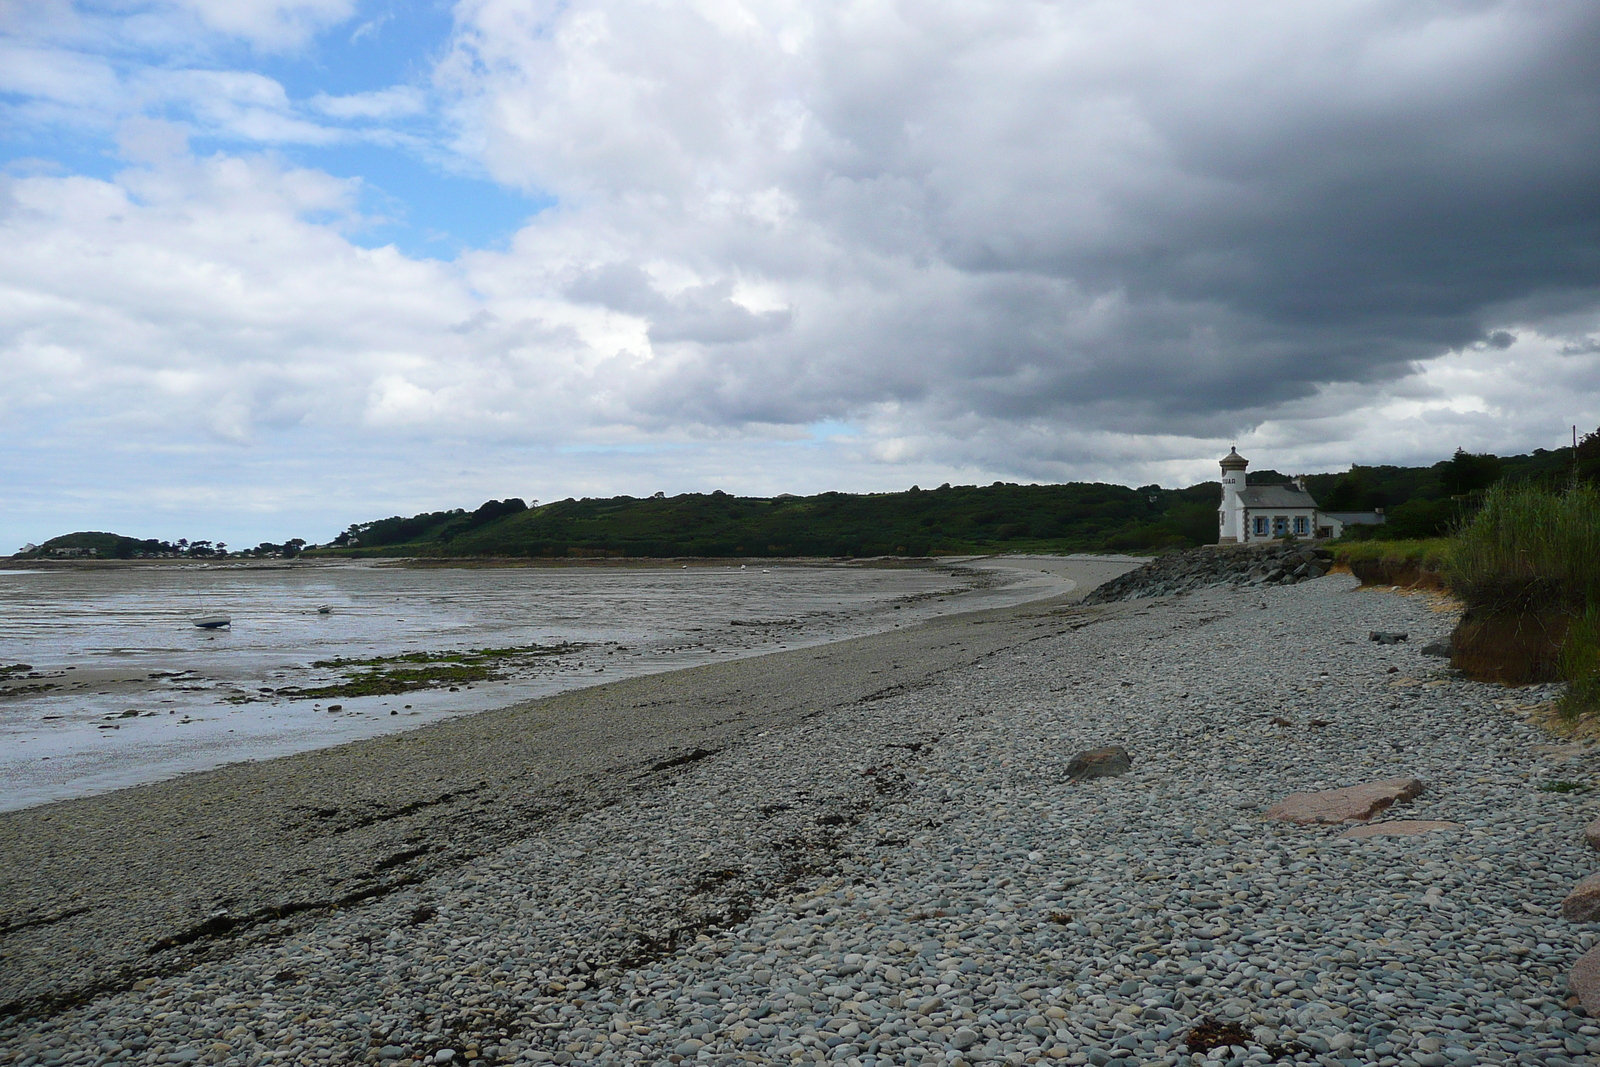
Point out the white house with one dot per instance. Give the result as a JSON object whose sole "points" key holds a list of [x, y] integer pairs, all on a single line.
{"points": [[1252, 513]]}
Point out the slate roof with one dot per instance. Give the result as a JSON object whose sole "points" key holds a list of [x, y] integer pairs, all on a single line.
{"points": [[1275, 496]]}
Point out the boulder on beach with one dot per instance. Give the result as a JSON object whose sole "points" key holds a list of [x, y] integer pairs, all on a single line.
{"points": [[1104, 762], [1591, 835], [1583, 981], [1583, 903], [1353, 803]]}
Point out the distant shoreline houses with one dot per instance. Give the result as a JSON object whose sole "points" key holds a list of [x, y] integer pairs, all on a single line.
{"points": [[1255, 513], [89, 544]]}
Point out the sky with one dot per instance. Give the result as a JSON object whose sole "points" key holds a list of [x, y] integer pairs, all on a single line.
{"points": [[272, 267]]}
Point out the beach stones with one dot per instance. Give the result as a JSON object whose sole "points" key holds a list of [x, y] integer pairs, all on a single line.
{"points": [[964, 1039], [1583, 903], [1387, 637], [1399, 828], [1591, 835], [1184, 572], [1104, 762], [1354, 803], [964, 885]]}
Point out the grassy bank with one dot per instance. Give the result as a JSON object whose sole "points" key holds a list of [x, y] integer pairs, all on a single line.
{"points": [[1527, 566], [1408, 563], [1529, 547]]}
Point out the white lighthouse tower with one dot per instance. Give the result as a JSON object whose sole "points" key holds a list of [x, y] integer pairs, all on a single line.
{"points": [[1230, 516]]}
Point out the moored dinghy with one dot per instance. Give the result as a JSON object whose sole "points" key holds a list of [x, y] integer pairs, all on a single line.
{"points": [[212, 622]]}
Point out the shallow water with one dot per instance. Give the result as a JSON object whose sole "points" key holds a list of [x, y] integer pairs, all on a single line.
{"points": [[136, 693]]}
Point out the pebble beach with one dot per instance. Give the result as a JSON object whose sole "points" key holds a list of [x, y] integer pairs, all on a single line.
{"points": [[866, 853]]}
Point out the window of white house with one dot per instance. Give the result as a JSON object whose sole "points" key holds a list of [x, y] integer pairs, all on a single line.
{"points": [[1280, 525], [1301, 525], [1261, 526]]}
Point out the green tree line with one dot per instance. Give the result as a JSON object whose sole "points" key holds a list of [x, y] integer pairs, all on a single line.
{"points": [[1078, 516]]}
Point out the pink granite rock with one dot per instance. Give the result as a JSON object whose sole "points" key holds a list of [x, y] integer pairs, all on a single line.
{"points": [[1584, 982], [1583, 903], [1352, 803], [1099, 763], [1591, 835], [1399, 828]]}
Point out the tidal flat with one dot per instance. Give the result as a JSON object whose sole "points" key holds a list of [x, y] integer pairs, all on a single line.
{"points": [[119, 688]]}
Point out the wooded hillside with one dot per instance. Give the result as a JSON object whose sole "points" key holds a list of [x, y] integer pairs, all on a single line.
{"points": [[1079, 516]]}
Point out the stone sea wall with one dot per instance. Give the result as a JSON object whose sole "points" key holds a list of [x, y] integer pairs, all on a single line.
{"points": [[1181, 572]]}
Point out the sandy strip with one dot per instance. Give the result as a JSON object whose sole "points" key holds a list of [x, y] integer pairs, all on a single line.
{"points": [[99, 891]]}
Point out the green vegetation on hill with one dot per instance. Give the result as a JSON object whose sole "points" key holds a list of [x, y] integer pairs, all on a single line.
{"points": [[949, 519], [431, 526], [1426, 502], [1420, 502]]}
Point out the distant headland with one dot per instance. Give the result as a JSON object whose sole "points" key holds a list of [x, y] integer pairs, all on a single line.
{"points": [[1417, 502]]}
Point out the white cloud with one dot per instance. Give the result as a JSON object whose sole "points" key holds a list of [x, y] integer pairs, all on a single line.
{"points": [[1170, 215], [87, 72], [69, 79], [270, 24], [395, 102], [238, 105]]}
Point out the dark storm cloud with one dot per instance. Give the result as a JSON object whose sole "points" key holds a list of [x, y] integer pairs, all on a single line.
{"points": [[1225, 208]]}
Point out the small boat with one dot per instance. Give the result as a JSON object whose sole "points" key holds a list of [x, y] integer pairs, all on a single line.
{"points": [[212, 622], [326, 609]]}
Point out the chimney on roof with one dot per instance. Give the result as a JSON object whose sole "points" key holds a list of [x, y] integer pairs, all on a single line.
{"points": [[1300, 482]]}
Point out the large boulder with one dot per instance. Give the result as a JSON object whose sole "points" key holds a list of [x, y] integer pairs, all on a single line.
{"points": [[1099, 763], [1583, 903], [1584, 982], [1353, 803]]}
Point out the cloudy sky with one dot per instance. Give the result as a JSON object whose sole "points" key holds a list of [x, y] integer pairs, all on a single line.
{"points": [[269, 267]]}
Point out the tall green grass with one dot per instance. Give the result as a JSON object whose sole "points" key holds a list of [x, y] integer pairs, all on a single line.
{"points": [[1529, 549], [1580, 665]]}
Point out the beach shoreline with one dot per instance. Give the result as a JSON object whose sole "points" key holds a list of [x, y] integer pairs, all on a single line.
{"points": [[122, 691], [181, 839], [870, 846]]}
